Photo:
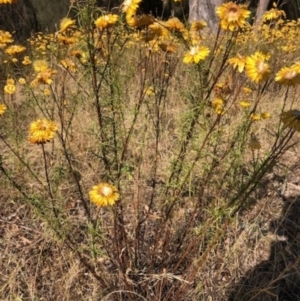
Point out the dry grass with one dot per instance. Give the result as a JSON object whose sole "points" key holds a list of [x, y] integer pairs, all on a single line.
{"points": [[187, 226]]}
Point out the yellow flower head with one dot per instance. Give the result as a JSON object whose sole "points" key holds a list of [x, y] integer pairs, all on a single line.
{"points": [[22, 81], [130, 6], [26, 61], [238, 62], [45, 76], [265, 115], [256, 67], [273, 14], [254, 142], [42, 131], [66, 23], [104, 194], [5, 38], [291, 119], [218, 105], [10, 87], [196, 54], [232, 16], [40, 65], [139, 21], [175, 25], [288, 75], [255, 117], [245, 104], [106, 21], [15, 49], [2, 109], [198, 25]]}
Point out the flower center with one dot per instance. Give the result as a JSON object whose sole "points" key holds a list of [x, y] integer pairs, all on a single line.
{"points": [[106, 191]]}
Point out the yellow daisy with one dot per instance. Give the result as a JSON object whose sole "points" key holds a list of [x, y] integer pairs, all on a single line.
{"points": [[15, 49], [238, 62], [291, 119], [130, 6], [255, 117], [40, 65], [104, 194], [22, 81], [175, 24], [288, 75], [10, 87], [198, 25], [66, 23], [106, 21], [196, 54], [273, 14], [218, 105], [5, 38], [26, 61], [265, 115], [245, 104], [2, 109], [139, 21], [42, 131], [256, 67], [232, 16]]}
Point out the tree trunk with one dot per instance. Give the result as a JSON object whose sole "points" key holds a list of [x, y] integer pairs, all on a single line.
{"points": [[262, 7], [205, 10]]}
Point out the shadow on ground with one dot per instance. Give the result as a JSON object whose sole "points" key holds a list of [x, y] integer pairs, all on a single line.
{"points": [[277, 278]]}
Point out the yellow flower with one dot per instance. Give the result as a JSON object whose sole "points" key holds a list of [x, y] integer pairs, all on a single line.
{"points": [[218, 105], [22, 81], [196, 54], [140, 21], [238, 62], [273, 14], [254, 142], [5, 38], [130, 6], [66, 23], [10, 87], [255, 117], [42, 131], [247, 90], [106, 21], [47, 92], [291, 119], [40, 65], [232, 16], [69, 65], [256, 67], [2, 109], [26, 60], [6, 1], [265, 115], [198, 25], [67, 40], [15, 49], [104, 194], [149, 91], [288, 75], [245, 104], [45, 76], [175, 24]]}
